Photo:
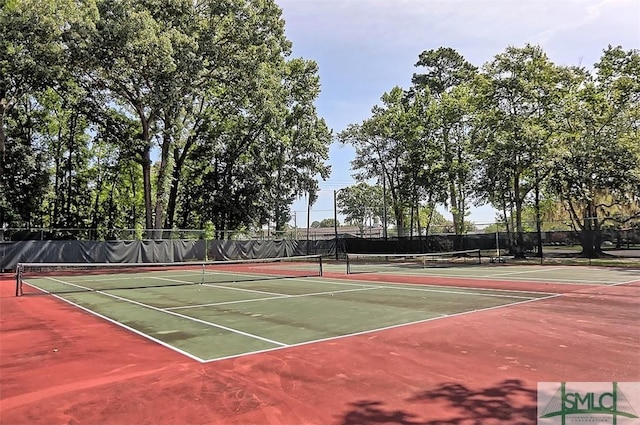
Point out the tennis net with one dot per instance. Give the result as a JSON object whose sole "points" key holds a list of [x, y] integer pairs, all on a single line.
{"points": [[372, 263], [80, 277]]}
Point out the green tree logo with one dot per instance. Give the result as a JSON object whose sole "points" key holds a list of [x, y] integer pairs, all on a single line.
{"points": [[582, 404]]}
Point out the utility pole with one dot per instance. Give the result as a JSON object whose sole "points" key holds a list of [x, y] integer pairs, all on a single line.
{"points": [[335, 219]]}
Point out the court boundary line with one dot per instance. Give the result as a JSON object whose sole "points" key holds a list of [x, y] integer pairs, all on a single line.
{"points": [[527, 271], [226, 328], [384, 285], [269, 298], [627, 282], [491, 277], [429, 288], [504, 279], [417, 322], [123, 325], [279, 345], [430, 285], [408, 286], [283, 346], [212, 286], [364, 288], [340, 282]]}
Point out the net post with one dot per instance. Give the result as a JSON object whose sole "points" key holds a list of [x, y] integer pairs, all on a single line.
{"points": [[348, 264], [479, 257], [18, 280], [320, 261]]}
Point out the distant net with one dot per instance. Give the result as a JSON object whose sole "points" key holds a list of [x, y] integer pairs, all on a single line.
{"points": [[372, 263], [58, 278]]}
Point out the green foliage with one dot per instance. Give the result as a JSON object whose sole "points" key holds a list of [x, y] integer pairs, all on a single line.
{"points": [[328, 222], [519, 93], [418, 142], [448, 76], [361, 204], [105, 85], [139, 232], [382, 149], [596, 166], [553, 217], [172, 113], [209, 231]]}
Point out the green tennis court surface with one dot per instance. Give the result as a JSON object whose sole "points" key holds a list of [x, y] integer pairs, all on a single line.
{"points": [[209, 321], [557, 274]]}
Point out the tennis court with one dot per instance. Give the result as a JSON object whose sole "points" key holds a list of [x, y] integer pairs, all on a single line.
{"points": [[238, 308], [468, 264], [305, 342]]}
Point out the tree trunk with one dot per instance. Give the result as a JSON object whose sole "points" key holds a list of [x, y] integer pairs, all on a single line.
{"points": [[538, 219], [453, 199], [179, 158], [508, 227], [519, 251], [161, 180], [134, 211], [145, 162], [55, 211], [3, 149], [173, 191], [146, 179], [591, 237], [413, 208]]}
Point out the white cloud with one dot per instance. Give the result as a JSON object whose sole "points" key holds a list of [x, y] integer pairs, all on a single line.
{"points": [[578, 16], [483, 28], [365, 47]]}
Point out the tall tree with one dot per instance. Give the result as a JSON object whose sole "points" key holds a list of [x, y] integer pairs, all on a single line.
{"points": [[33, 57], [360, 204], [158, 59], [24, 181], [425, 166], [446, 74], [301, 140], [381, 149], [515, 97], [596, 167], [261, 151], [65, 129]]}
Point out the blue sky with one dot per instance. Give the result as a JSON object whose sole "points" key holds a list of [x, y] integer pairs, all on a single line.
{"points": [[366, 47]]}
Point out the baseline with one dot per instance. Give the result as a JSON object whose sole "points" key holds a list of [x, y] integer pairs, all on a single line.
{"points": [[182, 316], [495, 277], [384, 328], [269, 298]]}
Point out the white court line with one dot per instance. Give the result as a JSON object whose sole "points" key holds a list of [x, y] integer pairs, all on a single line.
{"points": [[270, 298], [625, 283], [568, 282], [215, 325], [514, 279], [448, 291], [122, 325], [630, 281], [366, 287], [137, 276], [218, 286], [412, 287], [524, 271], [443, 316], [424, 288], [281, 345]]}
